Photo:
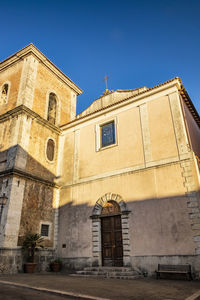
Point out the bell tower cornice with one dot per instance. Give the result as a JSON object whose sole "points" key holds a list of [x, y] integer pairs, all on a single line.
{"points": [[32, 50]]}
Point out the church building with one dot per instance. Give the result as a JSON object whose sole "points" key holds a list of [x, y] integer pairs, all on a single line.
{"points": [[116, 185]]}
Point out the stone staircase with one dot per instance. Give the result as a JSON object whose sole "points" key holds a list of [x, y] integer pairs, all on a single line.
{"points": [[108, 272]]}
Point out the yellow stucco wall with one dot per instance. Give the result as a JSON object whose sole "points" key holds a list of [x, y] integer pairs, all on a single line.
{"points": [[163, 143], [129, 151], [159, 222]]}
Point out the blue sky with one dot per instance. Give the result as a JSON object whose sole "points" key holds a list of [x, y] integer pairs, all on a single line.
{"points": [[135, 43]]}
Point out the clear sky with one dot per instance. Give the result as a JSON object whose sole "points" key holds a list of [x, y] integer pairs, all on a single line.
{"points": [[134, 43]]}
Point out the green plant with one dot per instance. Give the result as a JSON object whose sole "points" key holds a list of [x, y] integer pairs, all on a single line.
{"points": [[56, 265], [32, 242]]}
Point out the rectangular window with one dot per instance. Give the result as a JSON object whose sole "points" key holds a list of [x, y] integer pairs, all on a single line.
{"points": [[108, 134], [44, 230]]}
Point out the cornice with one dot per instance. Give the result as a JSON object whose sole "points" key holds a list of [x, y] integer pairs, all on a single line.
{"points": [[147, 93], [144, 94], [190, 105], [31, 49], [24, 174], [22, 109]]}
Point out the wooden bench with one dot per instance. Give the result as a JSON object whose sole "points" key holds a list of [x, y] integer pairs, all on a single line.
{"points": [[174, 269]]}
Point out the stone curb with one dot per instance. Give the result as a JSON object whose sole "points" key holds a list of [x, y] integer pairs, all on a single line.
{"points": [[55, 292], [195, 296]]}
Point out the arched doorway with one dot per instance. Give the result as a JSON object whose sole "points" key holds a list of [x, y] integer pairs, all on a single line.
{"points": [[116, 216], [111, 235]]}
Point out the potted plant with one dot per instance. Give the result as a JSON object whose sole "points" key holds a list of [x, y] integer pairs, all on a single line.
{"points": [[56, 265], [32, 242]]}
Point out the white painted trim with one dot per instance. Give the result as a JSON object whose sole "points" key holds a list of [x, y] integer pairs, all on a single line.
{"points": [[98, 133]]}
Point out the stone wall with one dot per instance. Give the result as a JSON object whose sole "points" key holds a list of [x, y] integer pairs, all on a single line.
{"points": [[37, 208], [12, 260]]}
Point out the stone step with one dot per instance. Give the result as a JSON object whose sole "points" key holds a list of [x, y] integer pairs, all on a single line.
{"points": [[85, 275], [106, 273], [113, 269], [130, 277], [83, 272]]}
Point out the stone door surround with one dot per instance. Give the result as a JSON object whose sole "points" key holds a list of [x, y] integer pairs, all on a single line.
{"points": [[96, 228]]}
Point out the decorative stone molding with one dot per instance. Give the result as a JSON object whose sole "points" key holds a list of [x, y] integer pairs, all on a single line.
{"points": [[96, 227], [104, 199], [22, 109]]}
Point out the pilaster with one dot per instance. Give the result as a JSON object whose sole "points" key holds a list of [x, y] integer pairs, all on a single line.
{"points": [[27, 81], [179, 126], [145, 133], [192, 202]]}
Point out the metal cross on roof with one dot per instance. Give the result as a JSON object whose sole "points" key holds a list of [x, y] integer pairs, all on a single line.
{"points": [[106, 81]]}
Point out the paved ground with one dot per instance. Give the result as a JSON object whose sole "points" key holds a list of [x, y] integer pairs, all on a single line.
{"points": [[140, 289], [16, 293]]}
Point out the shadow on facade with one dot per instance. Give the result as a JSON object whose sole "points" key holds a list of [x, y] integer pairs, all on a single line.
{"points": [[33, 183]]}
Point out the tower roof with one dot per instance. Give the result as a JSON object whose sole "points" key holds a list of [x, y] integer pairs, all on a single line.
{"points": [[31, 49]]}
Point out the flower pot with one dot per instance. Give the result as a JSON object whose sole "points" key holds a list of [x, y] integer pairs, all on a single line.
{"points": [[55, 267], [29, 267]]}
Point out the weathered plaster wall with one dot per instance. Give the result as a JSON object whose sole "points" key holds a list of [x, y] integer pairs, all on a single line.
{"points": [[8, 132], [47, 82], [159, 223], [37, 162], [12, 76]]}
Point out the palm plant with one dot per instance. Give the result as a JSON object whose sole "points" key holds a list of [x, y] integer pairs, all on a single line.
{"points": [[32, 242]]}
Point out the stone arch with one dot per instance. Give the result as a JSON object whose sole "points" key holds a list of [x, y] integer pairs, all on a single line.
{"points": [[96, 228], [108, 197]]}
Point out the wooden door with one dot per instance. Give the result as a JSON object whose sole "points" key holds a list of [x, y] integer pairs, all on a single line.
{"points": [[112, 247]]}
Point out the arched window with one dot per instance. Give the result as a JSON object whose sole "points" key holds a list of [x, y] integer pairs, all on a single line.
{"points": [[4, 94], [111, 207], [52, 108]]}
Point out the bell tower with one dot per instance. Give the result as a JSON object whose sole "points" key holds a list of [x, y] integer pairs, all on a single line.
{"points": [[36, 98]]}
